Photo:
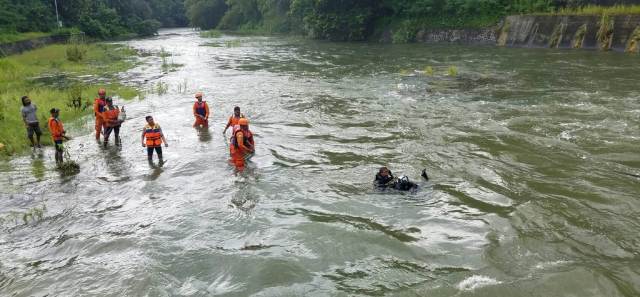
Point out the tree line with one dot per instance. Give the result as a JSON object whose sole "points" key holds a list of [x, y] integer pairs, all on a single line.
{"points": [[97, 18], [361, 19]]}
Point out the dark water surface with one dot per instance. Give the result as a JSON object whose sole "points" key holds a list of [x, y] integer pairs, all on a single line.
{"points": [[525, 149]]}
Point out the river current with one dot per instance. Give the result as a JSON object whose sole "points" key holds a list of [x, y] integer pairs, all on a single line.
{"points": [[531, 152]]}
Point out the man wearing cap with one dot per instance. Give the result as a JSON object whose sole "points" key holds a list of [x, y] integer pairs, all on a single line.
{"points": [[242, 145], [98, 108], [201, 112]]}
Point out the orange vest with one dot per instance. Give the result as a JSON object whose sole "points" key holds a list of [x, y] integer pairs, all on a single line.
{"points": [[233, 121], [111, 116], [201, 108], [247, 136], [56, 128], [153, 135]]}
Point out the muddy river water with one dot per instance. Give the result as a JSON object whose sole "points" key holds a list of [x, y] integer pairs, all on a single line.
{"points": [[529, 153]]}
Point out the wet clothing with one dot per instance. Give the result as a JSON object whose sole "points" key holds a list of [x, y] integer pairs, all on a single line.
{"points": [[153, 135], [58, 146], [33, 128], [242, 146], [98, 109], [390, 182], [201, 109], [29, 113], [108, 130], [233, 120], [158, 150]]}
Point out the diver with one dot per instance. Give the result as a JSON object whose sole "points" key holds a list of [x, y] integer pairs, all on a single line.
{"points": [[385, 180]]}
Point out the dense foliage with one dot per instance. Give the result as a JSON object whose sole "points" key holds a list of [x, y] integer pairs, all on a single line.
{"points": [[97, 18], [361, 19]]}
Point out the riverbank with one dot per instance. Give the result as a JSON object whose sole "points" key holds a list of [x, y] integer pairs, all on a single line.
{"points": [[51, 76]]}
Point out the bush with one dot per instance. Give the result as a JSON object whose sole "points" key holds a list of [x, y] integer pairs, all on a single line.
{"points": [[75, 52], [147, 27]]}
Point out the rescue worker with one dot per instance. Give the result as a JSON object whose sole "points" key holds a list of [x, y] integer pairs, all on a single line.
{"points": [[57, 133], [201, 112], [385, 180], [233, 119], [30, 118], [242, 145], [98, 108], [152, 138], [112, 121]]}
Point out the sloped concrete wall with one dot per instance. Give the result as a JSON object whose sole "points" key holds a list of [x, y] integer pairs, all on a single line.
{"points": [[620, 32]]}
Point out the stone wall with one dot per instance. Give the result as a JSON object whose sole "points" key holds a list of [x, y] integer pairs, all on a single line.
{"points": [[619, 33], [17, 47], [467, 36]]}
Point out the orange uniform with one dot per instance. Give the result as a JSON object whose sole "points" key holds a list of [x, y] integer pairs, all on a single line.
{"points": [[233, 120], [200, 110], [242, 146], [110, 116], [56, 128], [98, 109]]}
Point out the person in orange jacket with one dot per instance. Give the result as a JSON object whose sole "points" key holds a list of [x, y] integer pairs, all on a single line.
{"points": [[242, 145], [57, 133], [112, 122], [201, 112], [233, 119], [152, 138], [98, 108]]}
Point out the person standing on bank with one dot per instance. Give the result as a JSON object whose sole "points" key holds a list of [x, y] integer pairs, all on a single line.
{"points": [[30, 118], [152, 139]]}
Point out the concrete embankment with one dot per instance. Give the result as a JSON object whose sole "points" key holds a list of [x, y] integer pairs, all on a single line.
{"points": [[18, 47], [616, 32], [602, 32]]}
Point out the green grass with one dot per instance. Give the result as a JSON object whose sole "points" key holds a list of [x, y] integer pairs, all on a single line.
{"points": [[599, 10], [13, 37], [51, 80]]}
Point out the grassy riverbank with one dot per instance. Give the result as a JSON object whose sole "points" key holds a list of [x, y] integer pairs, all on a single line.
{"points": [[50, 79]]}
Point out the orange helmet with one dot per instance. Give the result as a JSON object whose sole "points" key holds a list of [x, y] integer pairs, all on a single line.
{"points": [[243, 122], [199, 94], [102, 91]]}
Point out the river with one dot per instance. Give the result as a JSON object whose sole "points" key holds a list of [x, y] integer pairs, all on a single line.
{"points": [[529, 153]]}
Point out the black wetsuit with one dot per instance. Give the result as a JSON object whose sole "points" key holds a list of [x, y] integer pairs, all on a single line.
{"points": [[390, 182]]}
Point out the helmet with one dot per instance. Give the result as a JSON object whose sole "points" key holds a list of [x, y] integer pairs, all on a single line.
{"points": [[243, 122], [199, 94], [102, 91], [109, 99]]}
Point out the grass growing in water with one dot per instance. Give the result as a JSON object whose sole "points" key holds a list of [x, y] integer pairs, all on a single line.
{"points": [[51, 80], [452, 71], [210, 34]]}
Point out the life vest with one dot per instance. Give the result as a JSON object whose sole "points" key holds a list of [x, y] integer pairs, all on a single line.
{"points": [[200, 108], [98, 105], [153, 135], [56, 128], [233, 121], [111, 115], [247, 136]]}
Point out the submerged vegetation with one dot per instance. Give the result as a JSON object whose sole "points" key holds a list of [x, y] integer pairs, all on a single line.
{"points": [[52, 78]]}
